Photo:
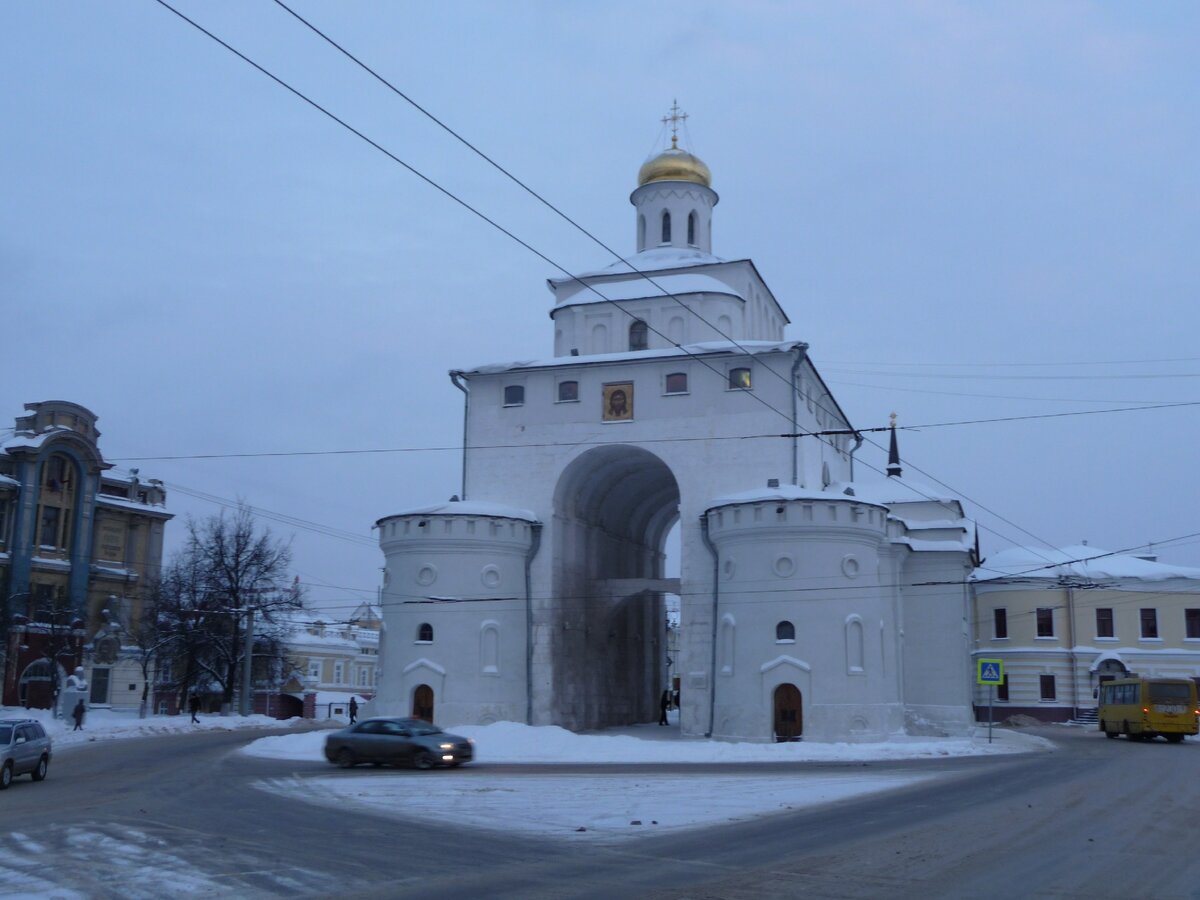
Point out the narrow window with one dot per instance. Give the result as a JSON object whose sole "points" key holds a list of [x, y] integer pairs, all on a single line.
{"points": [[854, 647], [568, 391], [666, 227], [1000, 623], [639, 335], [676, 383], [1048, 691], [1149, 619], [785, 631], [514, 395], [692, 229], [1104, 623], [1002, 688], [1191, 619], [425, 633], [1045, 622], [739, 379], [641, 232]]}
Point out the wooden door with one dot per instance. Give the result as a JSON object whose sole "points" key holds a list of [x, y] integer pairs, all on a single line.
{"points": [[789, 713], [423, 703]]}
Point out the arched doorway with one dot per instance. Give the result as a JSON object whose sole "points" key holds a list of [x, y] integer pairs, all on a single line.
{"points": [[35, 689], [614, 506], [422, 707], [789, 713]]}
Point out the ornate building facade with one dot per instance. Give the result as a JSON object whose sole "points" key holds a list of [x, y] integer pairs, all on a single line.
{"points": [[77, 545]]}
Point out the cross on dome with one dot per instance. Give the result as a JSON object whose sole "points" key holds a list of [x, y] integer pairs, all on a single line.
{"points": [[674, 118]]}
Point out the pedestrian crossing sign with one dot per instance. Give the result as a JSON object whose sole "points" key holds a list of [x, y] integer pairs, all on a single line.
{"points": [[989, 671]]}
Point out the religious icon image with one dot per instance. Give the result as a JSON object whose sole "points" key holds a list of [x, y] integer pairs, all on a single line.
{"points": [[618, 401]]}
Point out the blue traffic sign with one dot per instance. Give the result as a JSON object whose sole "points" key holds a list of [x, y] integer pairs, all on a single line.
{"points": [[989, 671]]}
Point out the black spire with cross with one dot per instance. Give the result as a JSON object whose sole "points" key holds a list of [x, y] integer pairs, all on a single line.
{"points": [[893, 466]]}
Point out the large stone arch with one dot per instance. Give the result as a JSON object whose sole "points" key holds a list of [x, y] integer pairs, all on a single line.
{"points": [[613, 508]]}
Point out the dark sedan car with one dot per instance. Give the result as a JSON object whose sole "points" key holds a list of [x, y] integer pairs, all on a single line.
{"points": [[412, 742]]}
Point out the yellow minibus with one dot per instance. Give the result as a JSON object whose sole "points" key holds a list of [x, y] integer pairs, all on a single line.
{"points": [[1143, 708]]}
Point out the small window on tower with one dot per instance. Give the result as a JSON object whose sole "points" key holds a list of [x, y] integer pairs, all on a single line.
{"points": [[692, 229], [676, 383], [785, 631], [568, 391], [739, 379], [666, 227], [514, 395], [639, 335], [425, 633]]}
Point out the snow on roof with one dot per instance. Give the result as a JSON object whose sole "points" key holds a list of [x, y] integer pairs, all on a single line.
{"points": [[1080, 561], [895, 490], [26, 441], [122, 503], [783, 492], [648, 261], [468, 508], [705, 348], [638, 288], [5, 481]]}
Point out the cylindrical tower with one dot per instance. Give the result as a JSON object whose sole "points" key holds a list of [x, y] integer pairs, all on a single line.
{"points": [[455, 613], [804, 627], [674, 202]]}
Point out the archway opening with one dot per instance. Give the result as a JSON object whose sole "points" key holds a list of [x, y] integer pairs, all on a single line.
{"points": [[614, 507]]}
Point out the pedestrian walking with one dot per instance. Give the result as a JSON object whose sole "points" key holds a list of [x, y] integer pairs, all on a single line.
{"points": [[77, 715], [353, 710], [194, 707], [663, 705]]}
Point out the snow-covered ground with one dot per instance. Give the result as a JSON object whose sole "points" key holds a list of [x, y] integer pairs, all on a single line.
{"points": [[107, 724], [618, 805]]}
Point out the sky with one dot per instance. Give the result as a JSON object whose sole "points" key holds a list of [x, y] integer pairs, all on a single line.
{"points": [[969, 211]]}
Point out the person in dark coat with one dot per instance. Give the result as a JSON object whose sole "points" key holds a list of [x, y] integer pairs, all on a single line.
{"points": [[353, 710], [663, 705], [194, 707], [77, 715]]}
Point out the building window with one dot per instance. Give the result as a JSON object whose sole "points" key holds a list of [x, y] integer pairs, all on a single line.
{"points": [[568, 391], [1000, 623], [639, 335], [314, 669], [1104, 623], [1048, 690], [1149, 619], [676, 383], [1002, 688], [3, 521], [1045, 621], [57, 501], [785, 631], [163, 672], [514, 395], [739, 379], [425, 633], [1191, 619], [641, 232], [339, 672], [363, 675], [666, 227], [692, 228]]}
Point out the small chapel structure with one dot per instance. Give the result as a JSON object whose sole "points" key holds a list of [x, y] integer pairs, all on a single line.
{"points": [[813, 604]]}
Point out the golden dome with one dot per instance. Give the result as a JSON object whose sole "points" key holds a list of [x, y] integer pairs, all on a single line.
{"points": [[675, 165]]}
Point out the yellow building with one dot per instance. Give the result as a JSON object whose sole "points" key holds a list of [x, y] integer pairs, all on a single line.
{"points": [[1065, 621]]}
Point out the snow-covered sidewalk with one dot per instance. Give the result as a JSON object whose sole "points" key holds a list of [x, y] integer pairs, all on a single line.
{"points": [[616, 806], [108, 725]]}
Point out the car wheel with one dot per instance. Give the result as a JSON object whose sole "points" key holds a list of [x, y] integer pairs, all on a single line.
{"points": [[423, 760], [39, 774], [345, 758], [6, 776]]}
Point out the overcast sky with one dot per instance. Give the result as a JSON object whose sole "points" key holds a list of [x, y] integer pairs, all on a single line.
{"points": [[969, 211]]}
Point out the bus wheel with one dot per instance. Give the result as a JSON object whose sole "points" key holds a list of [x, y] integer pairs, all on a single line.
{"points": [[1112, 735], [1174, 738]]}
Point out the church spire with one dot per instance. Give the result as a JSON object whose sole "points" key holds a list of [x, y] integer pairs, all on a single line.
{"points": [[893, 466]]}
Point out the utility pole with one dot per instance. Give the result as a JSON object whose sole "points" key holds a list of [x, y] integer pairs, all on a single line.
{"points": [[246, 706]]}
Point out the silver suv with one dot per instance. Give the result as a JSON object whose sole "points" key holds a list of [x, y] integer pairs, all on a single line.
{"points": [[24, 749]]}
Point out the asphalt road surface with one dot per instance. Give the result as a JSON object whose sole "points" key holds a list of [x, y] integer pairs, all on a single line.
{"points": [[178, 816]]}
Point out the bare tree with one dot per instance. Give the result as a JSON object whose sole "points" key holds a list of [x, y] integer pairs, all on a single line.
{"points": [[226, 569]]}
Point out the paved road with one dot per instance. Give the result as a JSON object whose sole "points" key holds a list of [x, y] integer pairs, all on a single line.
{"points": [[177, 816]]}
